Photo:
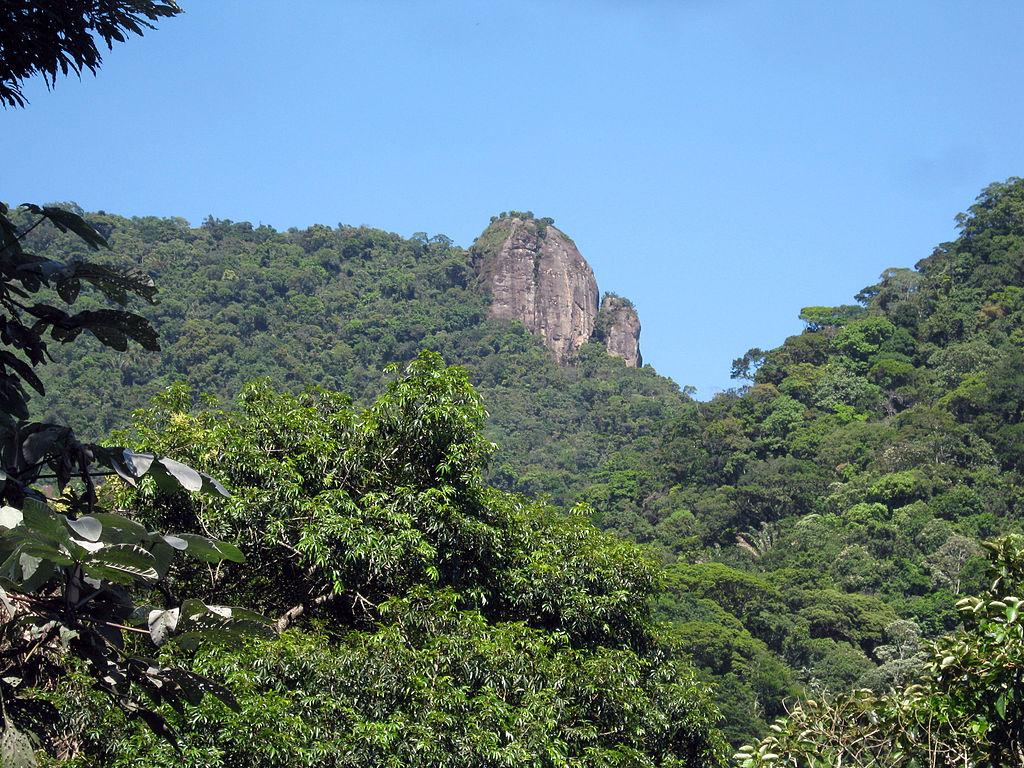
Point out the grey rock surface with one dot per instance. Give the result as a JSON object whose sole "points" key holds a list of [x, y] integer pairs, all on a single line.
{"points": [[537, 276], [619, 325]]}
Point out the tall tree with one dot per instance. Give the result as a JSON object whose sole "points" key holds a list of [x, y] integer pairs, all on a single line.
{"points": [[430, 620]]}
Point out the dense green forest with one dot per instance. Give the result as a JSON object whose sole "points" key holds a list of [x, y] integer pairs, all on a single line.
{"points": [[426, 618], [808, 522], [359, 522], [396, 609]]}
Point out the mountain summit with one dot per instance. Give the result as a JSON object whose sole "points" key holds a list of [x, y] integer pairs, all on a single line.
{"points": [[537, 276]]}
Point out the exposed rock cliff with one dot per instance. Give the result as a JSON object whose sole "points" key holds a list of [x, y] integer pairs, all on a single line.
{"points": [[538, 277], [618, 327]]}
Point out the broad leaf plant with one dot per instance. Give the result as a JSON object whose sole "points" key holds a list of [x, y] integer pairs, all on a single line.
{"points": [[82, 586]]}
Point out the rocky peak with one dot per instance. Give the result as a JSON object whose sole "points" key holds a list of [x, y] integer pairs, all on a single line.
{"points": [[618, 328], [537, 276]]}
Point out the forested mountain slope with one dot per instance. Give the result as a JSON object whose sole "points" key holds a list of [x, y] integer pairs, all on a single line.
{"points": [[816, 525], [333, 307], [847, 486]]}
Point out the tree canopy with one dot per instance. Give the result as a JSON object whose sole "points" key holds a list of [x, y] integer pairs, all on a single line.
{"points": [[428, 619], [965, 710], [805, 535]]}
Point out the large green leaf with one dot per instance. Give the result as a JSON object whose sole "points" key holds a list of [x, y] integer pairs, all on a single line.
{"points": [[32, 572], [69, 289], [211, 551], [118, 529], [42, 522], [89, 528], [42, 440], [163, 557], [116, 283], [65, 220], [138, 464], [161, 624], [188, 478], [16, 749], [210, 482], [123, 563]]}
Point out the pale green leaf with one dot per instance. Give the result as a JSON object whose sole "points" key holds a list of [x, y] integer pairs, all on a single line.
{"points": [[89, 528], [15, 749], [10, 517], [162, 624]]}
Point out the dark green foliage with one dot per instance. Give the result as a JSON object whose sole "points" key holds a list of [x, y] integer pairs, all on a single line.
{"points": [[872, 450], [26, 321], [331, 306], [75, 577], [50, 37], [966, 709], [367, 299]]}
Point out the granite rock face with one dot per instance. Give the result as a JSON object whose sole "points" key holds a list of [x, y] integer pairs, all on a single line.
{"points": [[537, 276], [618, 325]]}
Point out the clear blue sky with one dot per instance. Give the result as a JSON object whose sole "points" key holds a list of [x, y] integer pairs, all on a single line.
{"points": [[722, 164]]}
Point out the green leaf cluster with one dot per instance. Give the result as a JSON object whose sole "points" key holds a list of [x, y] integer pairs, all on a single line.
{"points": [[73, 575]]}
